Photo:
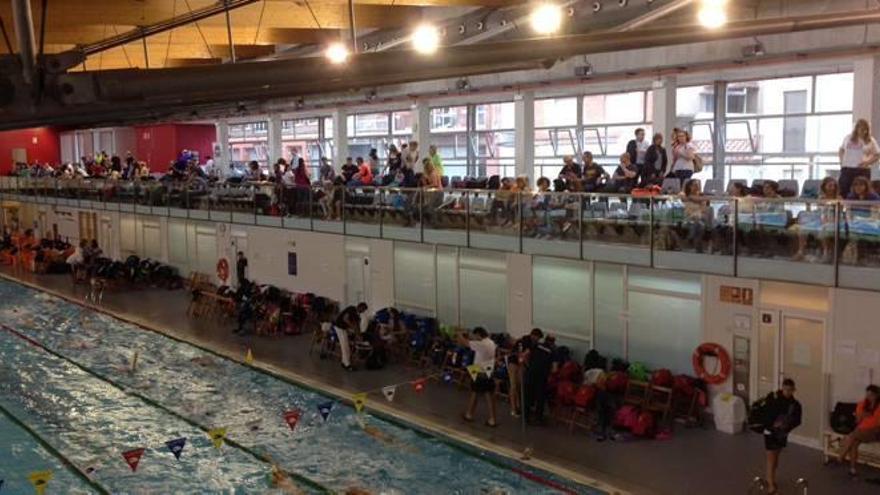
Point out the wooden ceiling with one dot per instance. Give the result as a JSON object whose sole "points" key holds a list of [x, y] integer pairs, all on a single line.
{"points": [[258, 29]]}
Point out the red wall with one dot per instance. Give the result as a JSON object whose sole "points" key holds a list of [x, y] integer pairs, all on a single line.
{"points": [[160, 144], [42, 144]]}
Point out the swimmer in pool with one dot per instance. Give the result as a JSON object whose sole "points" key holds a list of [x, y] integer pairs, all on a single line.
{"points": [[387, 439], [283, 483], [203, 361]]}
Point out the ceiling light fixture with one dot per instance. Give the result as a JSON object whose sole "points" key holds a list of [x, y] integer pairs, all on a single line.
{"points": [[546, 18], [337, 53], [426, 39], [712, 13]]}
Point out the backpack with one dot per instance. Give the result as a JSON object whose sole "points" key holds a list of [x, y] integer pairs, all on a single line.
{"points": [[662, 378], [626, 417], [759, 414], [843, 418], [644, 425], [698, 163]]}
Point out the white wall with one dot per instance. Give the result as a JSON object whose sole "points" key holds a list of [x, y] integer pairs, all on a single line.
{"points": [[854, 344]]}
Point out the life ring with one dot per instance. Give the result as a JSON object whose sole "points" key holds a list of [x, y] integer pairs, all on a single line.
{"points": [[715, 350], [223, 269]]}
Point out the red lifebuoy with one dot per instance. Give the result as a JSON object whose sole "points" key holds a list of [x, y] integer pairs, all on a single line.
{"points": [[715, 350], [223, 269]]}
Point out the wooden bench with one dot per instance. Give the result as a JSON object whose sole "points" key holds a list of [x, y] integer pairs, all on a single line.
{"points": [[869, 454]]}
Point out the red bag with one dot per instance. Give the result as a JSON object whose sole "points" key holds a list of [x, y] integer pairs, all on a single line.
{"points": [[644, 425], [616, 382], [683, 385], [571, 371], [662, 378], [584, 396], [626, 417], [565, 392]]}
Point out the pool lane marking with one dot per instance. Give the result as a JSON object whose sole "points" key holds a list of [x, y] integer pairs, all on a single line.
{"points": [[469, 445], [54, 452], [151, 402]]}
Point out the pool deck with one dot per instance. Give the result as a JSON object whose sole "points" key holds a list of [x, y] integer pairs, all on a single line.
{"points": [[694, 461]]}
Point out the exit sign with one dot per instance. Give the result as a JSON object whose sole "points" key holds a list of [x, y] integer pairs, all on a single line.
{"points": [[737, 295]]}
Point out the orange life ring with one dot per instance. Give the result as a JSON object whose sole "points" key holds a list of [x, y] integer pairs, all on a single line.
{"points": [[715, 350], [223, 269]]}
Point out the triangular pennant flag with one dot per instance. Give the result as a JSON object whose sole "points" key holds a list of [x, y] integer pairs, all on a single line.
{"points": [[292, 418], [40, 479], [360, 400], [217, 436], [447, 377], [419, 385], [488, 368], [389, 392], [133, 458], [249, 357], [176, 446], [325, 409], [474, 370]]}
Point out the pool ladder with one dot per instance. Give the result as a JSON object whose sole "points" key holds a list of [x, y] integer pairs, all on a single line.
{"points": [[759, 486]]}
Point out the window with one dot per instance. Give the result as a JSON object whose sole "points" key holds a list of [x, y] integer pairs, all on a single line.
{"points": [[476, 140], [378, 131], [556, 134], [249, 142], [787, 128], [695, 112], [610, 121], [309, 138]]}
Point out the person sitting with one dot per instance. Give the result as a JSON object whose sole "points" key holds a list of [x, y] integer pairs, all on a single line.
{"points": [[570, 169], [862, 191], [867, 429], [431, 175], [625, 176], [594, 175], [828, 193], [363, 176], [348, 170], [326, 172], [695, 211]]}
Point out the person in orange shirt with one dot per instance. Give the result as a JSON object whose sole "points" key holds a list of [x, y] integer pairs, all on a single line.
{"points": [[868, 429]]}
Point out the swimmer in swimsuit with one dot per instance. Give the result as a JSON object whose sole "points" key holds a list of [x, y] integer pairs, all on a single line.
{"points": [[203, 361], [283, 483], [386, 438]]}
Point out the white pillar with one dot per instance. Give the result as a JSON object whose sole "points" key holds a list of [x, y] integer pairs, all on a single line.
{"points": [[866, 95], [340, 137], [276, 150], [524, 134], [422, 125], [221, 150], [664, 92]]}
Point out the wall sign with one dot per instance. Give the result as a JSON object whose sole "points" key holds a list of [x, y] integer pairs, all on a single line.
{"points": [[737, 295]]}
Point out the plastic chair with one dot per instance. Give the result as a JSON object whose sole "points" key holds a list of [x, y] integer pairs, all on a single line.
{"points": [[671, 186], [811, 188], [789, 185], [714, 187]]}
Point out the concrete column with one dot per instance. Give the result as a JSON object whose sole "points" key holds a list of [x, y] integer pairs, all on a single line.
{"points": [[524, 134], [866, 95], [340, 137], [221, 149], [276, 149], [422, 126], [719, 140], [663, 107]]}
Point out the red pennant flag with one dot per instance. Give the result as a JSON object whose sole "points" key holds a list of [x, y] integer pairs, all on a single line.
{"points": [[133, 458], [419, 385], [292, 418]]}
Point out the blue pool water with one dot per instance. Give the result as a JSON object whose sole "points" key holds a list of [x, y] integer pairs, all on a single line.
{"points": [[78, 396]]}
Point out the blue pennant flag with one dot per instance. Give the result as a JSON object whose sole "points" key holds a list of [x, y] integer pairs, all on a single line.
{"points": [[325, 409], [176, 446], [447, 377]]}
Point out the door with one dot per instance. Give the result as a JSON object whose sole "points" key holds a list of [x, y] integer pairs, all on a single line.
{"points": [[792, 346], [802, 353], [357, 272]]}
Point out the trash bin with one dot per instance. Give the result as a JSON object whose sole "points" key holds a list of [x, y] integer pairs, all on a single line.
{"points": [[730, 413]]}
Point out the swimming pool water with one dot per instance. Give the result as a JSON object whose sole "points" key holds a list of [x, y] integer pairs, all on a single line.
{"points": [[178, 389]]}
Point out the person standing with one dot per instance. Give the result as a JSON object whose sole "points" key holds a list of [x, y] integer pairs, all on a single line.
{"points": [[637, 148], [348, 321], [484, 356], [515, 363], [241, 264], [537, 372], [858, 152], [411, 158], [683, 155], [436, 159], [783, 414], [656, 162]]}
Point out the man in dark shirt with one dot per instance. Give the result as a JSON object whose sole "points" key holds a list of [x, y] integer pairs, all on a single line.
{"points": [[625, 176], [538, 368], [241, 264], [593, 173], [570, 169], [348, 321]]}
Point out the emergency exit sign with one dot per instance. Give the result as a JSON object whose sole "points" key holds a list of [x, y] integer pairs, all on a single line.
{"points": [[737, 295]]}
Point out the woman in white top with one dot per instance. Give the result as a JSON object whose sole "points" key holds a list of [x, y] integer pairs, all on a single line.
{"points": [[857, 154], [683, 154]]}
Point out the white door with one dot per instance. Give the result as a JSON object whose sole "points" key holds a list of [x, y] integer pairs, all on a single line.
{"points": [[792, 346]]}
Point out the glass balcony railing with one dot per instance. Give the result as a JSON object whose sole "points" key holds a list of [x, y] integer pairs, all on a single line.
{"points": [[834, 243]]}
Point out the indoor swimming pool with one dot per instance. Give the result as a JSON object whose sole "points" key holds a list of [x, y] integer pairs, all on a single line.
{"points": [[65, 373]]}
